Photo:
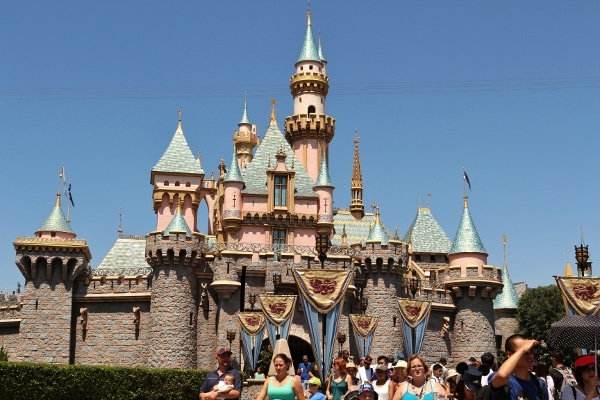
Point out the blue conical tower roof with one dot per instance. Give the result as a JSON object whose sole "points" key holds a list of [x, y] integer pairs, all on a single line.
{"points": [[178, 224], [233, 173], [378, 232], [467, 239], [178, 157], [426, 235], [323, 179], [56, 221], [321, 55], [508, 298], [309, 51], [245, 119]]}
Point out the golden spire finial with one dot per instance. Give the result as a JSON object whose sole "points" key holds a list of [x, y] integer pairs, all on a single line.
{"points": [[308, 13], [273, 115], [180, 112]]}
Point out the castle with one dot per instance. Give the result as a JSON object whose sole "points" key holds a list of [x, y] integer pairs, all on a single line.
{"points": [[169, 299]]}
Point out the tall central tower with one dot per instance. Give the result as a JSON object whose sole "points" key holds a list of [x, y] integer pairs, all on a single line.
{"points": [[310, 130]]}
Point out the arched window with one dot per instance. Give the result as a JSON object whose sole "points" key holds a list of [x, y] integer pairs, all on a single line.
{"points": [[311, 109]]}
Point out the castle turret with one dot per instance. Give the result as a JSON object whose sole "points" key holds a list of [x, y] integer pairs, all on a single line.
{"points": [[324, 188], [232, 204], [473, 285], [310, 126], [173, 255], [245, 139], [50, 262], [505, 304], [173, 251], [177, 179]]}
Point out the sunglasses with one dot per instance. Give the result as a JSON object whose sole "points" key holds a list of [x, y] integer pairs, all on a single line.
{"points": [[589, 368]]}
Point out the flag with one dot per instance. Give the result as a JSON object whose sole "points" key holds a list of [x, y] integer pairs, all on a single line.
{"points": [[466, 178], [70, 196]]}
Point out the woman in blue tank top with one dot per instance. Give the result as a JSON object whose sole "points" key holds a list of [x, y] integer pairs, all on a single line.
{"points": [[281, 386], [418, 388]]}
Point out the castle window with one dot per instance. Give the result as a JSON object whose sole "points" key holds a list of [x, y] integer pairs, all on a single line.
{"points": [[278, 242], [166, 183], [311, 109], [417, 257], [280, 195], [176, 183], [432, 259], [310, 67], [188, 184]]}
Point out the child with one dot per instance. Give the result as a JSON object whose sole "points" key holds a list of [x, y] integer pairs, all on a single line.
{"points": [[225, 385], [314, 384]]}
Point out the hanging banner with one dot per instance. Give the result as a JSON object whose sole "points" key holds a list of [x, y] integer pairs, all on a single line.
{"points": [[581, 295], [322, 295], [414, 315], [252, 326], [279, 311], [364, 331]]}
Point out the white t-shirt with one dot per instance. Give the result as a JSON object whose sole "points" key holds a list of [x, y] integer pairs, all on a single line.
{"points": [[366, 375], [567, 393]]}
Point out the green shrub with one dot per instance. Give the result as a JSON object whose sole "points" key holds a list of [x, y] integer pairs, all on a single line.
{"points": [[66, 382]]}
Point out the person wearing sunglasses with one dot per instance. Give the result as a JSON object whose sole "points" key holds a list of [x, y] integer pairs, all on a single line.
{"points": [[586, 374]]}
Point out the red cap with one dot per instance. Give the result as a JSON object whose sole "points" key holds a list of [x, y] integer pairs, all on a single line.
{"points": [[585, 360], [223, 350], [368, 359]]}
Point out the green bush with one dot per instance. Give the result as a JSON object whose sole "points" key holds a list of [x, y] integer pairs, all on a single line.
{"points": [[66, 382]]}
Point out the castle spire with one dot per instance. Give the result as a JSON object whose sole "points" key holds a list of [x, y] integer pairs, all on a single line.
{"points": [[357, 208], [467, 239], [273, 119], [309, 50], [508, 298]]}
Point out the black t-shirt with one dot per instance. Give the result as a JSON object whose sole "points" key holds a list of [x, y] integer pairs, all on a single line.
{"points": [[213, 378]]}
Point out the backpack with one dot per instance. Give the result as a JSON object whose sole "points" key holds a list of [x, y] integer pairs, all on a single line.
{"points": [[485, 393], [568, 380]]}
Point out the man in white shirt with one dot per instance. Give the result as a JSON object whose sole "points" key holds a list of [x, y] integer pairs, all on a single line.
{"points": [[366, 373]]}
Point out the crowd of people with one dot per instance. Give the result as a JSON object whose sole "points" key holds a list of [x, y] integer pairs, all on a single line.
{"points": [[519, 377]]}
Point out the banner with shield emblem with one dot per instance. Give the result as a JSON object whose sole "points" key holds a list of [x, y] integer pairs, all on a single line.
{"points": [[253, 331]]}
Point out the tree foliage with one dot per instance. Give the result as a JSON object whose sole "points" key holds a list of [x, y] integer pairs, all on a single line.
{"points": [[537, 309]]}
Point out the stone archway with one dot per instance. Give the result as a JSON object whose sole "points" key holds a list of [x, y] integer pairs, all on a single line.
{"points": [[298, 348]]}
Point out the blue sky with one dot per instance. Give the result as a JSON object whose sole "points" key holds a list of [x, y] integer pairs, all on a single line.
{"points": [[509, 90]]}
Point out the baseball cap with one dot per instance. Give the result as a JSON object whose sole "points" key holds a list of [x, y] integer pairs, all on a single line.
{"points": [[585, 360], [314, 381], [223, 350], [368, 359], [367, 388], [381, 367], [472, 378]]}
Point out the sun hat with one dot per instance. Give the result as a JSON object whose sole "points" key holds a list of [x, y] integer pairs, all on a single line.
{"points": [[223, 350], [367, 388], [472, 378], [451, 373], [585, 360], [350, 365], [401, 364], [314, 381]]}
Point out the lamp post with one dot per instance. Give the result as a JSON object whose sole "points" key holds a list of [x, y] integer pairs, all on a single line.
{"points": [[322, 247], [252, 300], [276, 281], [364, 302], [582, 257], [230, 337], [341, 338]]}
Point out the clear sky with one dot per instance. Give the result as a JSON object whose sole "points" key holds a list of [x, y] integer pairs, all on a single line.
{"points": [[509, 90]]}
